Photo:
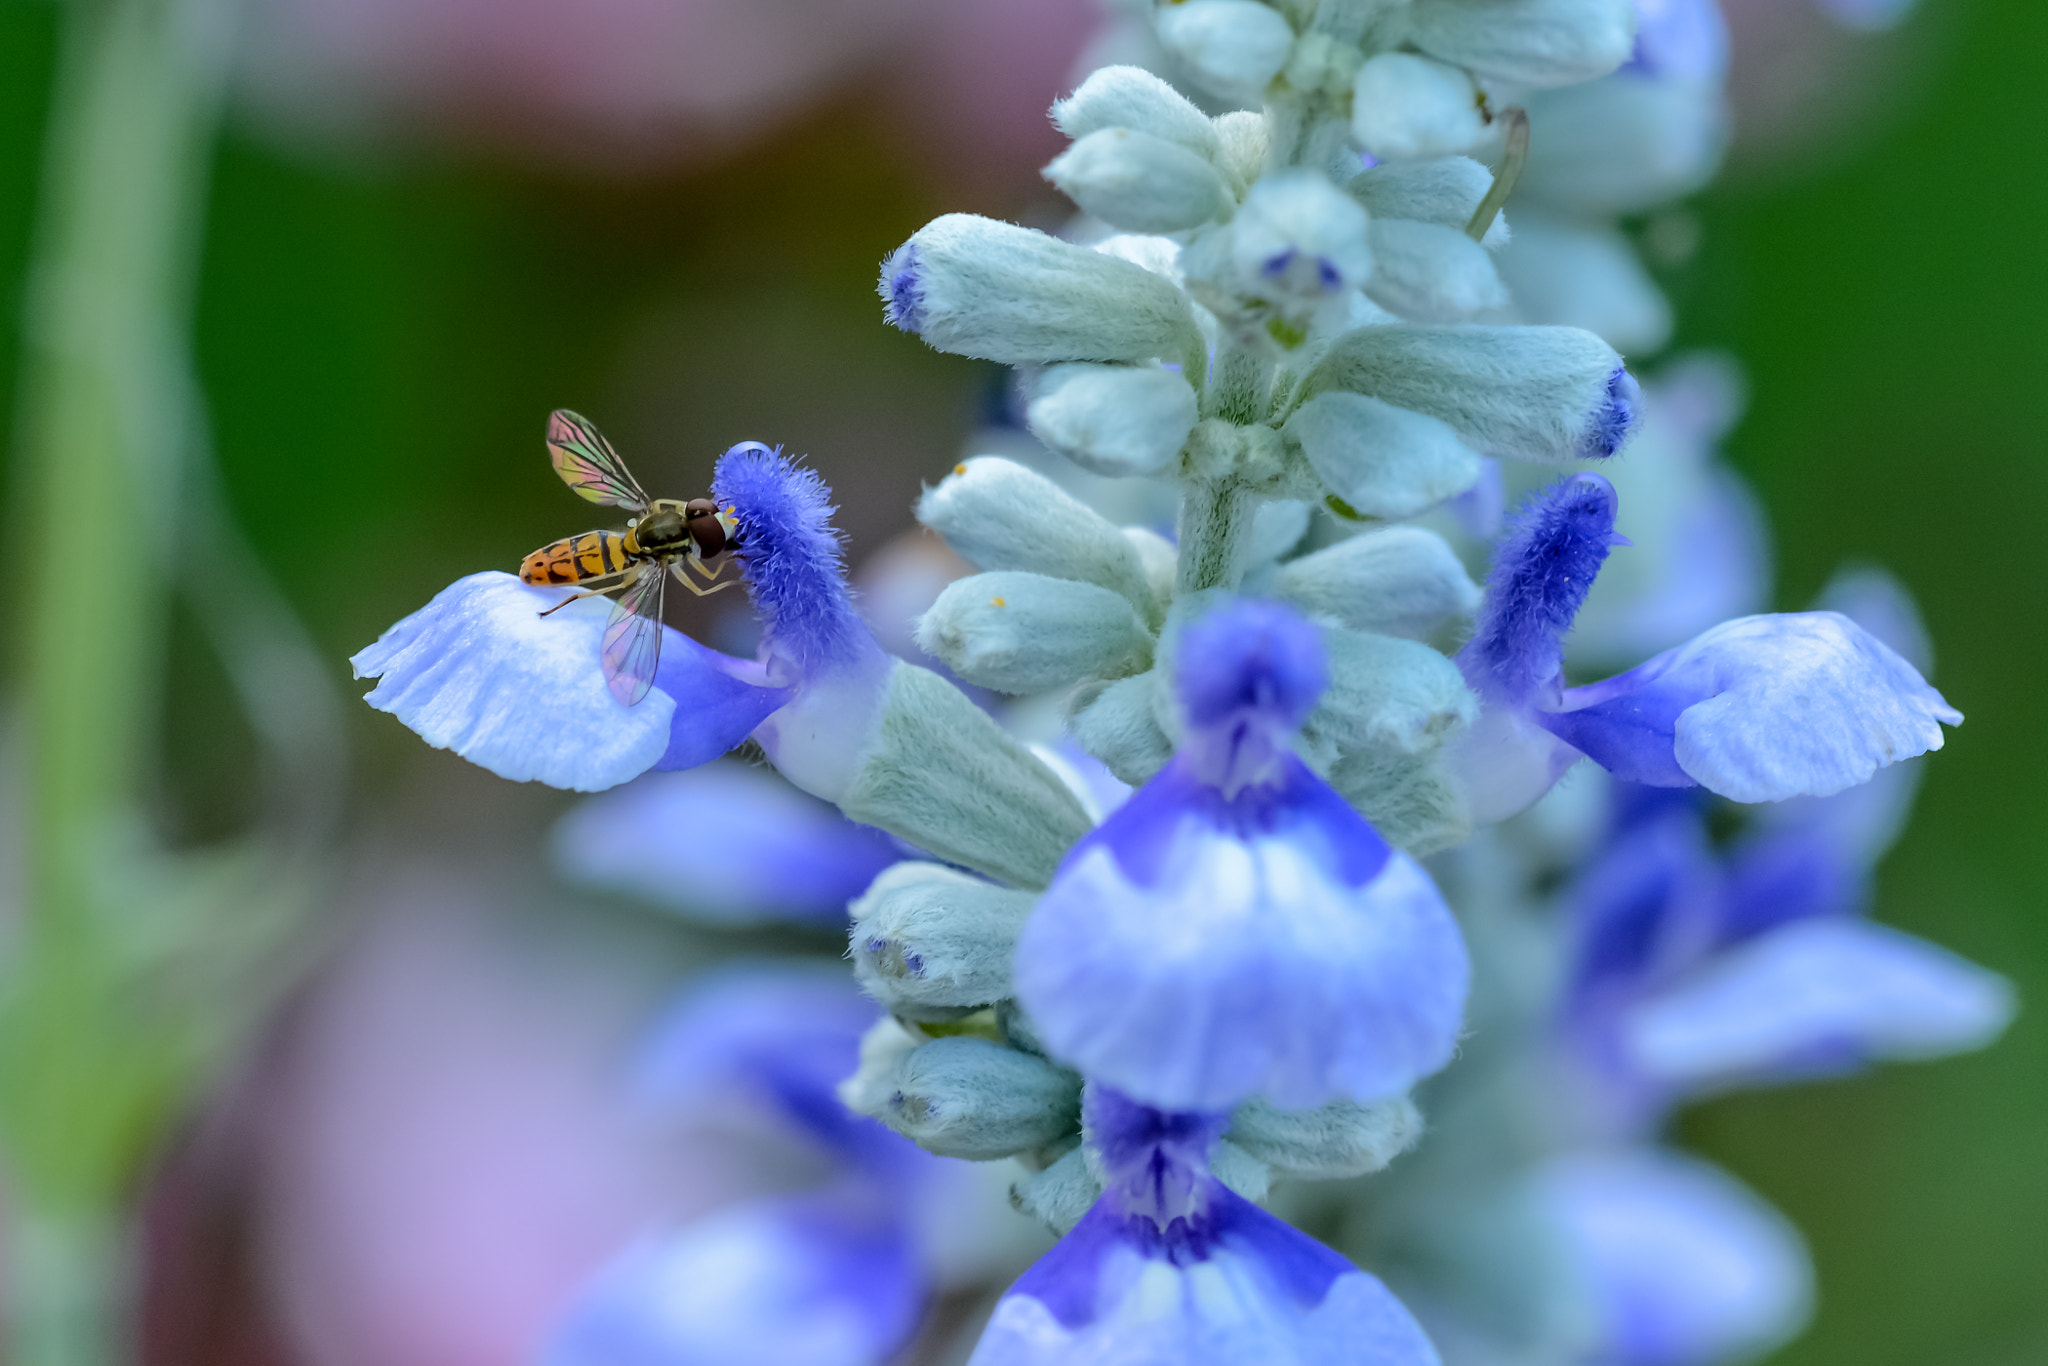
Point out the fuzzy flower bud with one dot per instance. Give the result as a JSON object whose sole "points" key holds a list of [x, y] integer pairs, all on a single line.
{"points": [[995, 291], [1140, 183], [1234, 47], [1403, 106]]}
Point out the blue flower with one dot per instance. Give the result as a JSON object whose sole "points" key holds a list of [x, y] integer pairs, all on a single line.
{"points": [[830, 1275], [480, 671], [723, 844], [804, 1281], [1818, 997], [1758, 709], [1236, 928], [1695, 971], [1678, 1263], [1170, 1268]]}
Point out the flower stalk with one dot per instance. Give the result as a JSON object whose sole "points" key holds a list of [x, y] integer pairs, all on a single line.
{"points": [[85, 1072]]}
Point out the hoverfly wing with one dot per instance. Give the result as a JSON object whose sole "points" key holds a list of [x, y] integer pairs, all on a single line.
{"points": [[588, 464], [632, 638]]}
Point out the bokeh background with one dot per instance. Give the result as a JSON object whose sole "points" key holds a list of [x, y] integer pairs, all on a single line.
{"points": [[402, 274]]}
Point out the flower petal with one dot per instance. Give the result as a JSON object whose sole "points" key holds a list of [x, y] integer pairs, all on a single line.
{"points": [[1234, 1285], [1194, 952], [1683, 1264], [764, 1283], [479, 671], [1816, 996], [1760, 709], [725, 844]]}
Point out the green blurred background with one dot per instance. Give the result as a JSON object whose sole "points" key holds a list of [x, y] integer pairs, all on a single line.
{"points": [[380, 341]]}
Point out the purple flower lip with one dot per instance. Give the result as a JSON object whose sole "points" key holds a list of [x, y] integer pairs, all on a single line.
{"points": [[902, 289]]}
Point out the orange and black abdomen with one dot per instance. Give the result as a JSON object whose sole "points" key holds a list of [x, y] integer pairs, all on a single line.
{"points": [[574, 559]]}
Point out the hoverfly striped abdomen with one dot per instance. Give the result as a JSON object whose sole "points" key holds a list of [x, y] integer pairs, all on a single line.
{"points": [[576, 559]]}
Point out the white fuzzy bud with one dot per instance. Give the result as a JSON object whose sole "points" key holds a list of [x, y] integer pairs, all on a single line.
{"points": [[1338, 1140], [1132, 97], [1161, 559], [1532, 43], [1027, 633], [1541, 393], [1387, 694], [1441, 190], [995, 291], [1113, 419], [1297, 234], [1411, 798], [1232, 47], [1000, 515], [1382, 461], [943, 775], [1059, 1195], [928, 936], [1403, 581], [1139, 182], [1242, 158], [882, 1051], [1118, 725], [975, 1099], [1403, 105], [1430, 274]]}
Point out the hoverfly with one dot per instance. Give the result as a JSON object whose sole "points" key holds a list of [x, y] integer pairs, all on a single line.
{"points": [[665, 536]]}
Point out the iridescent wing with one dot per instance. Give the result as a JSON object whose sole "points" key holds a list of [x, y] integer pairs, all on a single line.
{"points": [[632, 638], [588, 464]]}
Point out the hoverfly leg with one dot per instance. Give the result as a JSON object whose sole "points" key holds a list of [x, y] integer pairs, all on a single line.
{"points": [[577, 597], [710, 576]]}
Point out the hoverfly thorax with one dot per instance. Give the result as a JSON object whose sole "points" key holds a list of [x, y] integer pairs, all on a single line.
{"points": [[662, 531]]}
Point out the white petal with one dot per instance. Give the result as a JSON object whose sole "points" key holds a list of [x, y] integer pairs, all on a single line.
{"points": [[479, 671]]}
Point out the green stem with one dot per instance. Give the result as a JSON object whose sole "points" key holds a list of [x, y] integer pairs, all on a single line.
{"points": [[1215, 532], [105, 419]]}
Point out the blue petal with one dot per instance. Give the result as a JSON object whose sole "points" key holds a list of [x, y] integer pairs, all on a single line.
{"points": [[1760, 709], [723, 699], [1228, 1285], [1194, 951], [1776, 876], [1683, 1265], [1647, 904], [798, 1282], [479, 671], [1816, 997], [727, 844], [783, 1035]]}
